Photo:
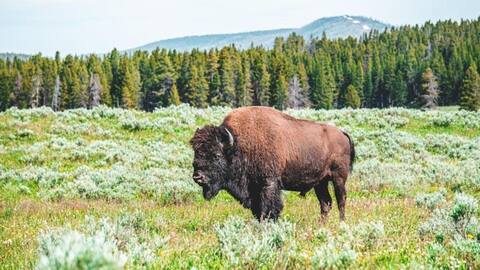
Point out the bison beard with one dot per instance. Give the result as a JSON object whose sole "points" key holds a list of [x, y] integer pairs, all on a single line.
{"points": [[259, 151]]}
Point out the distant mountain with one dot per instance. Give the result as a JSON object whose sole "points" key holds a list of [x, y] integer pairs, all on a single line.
{"points": [[334, 27], [5, 56]]}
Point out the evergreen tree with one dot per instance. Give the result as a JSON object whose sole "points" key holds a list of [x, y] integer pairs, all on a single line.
{"points": [[352, 99], [84, 78], [440, 71], [350, 77], [303, 80], [130, 85], [6, 84], [70, 83], [359, 78], [377, 78], [227, 78], [243, 86], [470, 95], [106, 95], [24, 95], [48, 71], [322, 83], [390, 95], [214, 96], [117, 78], [368, 85], [278, 84], [183, 77], [174, 98], [159, 78], [278, 98], [455, 70], [260, 81], [411, 74], [197, 88]]}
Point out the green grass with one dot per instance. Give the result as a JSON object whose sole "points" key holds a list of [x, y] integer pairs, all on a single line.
{"points": [[448, 108], [419, 127], [189, 224]]}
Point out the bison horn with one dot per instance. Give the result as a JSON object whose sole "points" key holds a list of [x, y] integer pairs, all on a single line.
{"points": [[230, 137]]}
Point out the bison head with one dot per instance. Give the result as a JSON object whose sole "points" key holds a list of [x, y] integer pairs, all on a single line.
{"points": [[210, 164]]}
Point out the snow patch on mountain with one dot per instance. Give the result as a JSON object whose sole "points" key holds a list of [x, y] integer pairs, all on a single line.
{"points": [[334, 27]]}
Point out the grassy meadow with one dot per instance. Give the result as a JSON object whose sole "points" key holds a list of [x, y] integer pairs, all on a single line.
{"points": [[111, 189]]}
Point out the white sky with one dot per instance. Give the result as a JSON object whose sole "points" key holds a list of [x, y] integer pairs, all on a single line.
{"points": [[85, 26]]}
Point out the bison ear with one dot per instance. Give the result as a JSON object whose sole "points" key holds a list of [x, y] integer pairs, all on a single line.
{"points": [[226, 137]]}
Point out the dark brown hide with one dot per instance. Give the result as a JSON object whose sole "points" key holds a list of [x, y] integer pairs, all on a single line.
{"points": [[265, 151]]}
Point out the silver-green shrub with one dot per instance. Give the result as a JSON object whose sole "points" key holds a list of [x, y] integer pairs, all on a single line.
{"points": [[333, 256], [456, 231], [456, 220], [432, 200], [152, 153], [340, 251], [255, 245], [103, 244], [69, 249]]}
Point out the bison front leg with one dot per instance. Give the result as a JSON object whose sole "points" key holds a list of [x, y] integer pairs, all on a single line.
{"points": [[323, 196], [268, 203]]}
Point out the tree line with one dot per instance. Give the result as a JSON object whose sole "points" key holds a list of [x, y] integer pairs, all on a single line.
{"points": [[413, 66]]}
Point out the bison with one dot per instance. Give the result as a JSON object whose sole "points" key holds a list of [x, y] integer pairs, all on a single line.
{"points": [[258, 151]]}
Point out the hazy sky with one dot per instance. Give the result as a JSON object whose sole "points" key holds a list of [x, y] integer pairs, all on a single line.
{"points": [[85, 26]]}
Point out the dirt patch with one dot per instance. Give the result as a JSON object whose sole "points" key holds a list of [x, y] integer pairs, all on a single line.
{"points": [[32, 207]]}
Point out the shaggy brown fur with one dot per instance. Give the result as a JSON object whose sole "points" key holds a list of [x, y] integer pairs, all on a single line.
{"points": [[258, 151]]}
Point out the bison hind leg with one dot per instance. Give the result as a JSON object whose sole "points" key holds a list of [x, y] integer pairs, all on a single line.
{"points": [[340, 195], [339, 177], [324, 198]]}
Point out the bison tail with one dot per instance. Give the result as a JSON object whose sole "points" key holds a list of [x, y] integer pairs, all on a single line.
{"points": [[352, 150]]}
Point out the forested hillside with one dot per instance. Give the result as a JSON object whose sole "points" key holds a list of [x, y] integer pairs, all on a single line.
{"points": [[404, 66]]}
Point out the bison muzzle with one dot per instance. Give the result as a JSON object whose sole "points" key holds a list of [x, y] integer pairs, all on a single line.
{"points": [[258, 151]]}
